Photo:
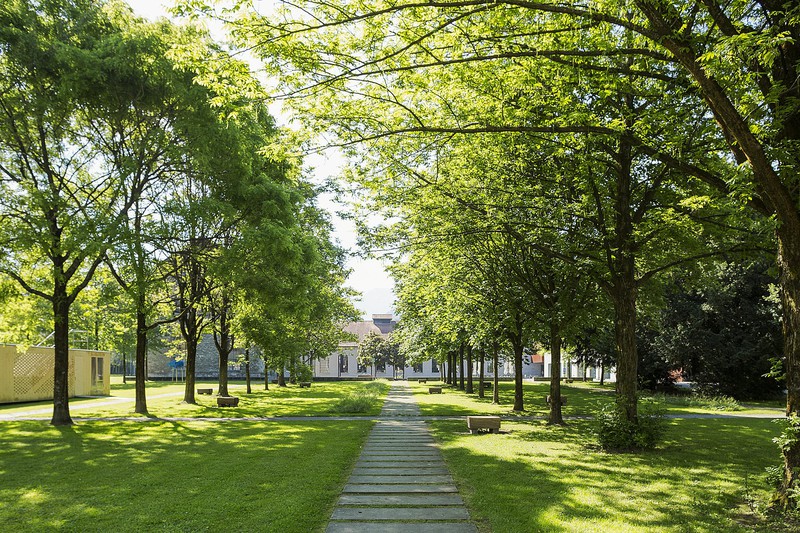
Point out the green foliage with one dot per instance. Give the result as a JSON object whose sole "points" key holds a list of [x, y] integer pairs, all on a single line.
{"points": [[616, 433], [361, 400], [725, 334], [304, 372], [704, 401]]}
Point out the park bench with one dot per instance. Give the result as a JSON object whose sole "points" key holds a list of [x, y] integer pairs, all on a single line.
{"points": [[434, 390], [422, 380], [487, 384], [570, 380], [204, 391], [130, 378], [563, 400], [227, 401], [476, 424], [306, 384]]}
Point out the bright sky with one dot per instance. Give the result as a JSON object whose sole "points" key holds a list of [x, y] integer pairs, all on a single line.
{"points": [[368, 276]]}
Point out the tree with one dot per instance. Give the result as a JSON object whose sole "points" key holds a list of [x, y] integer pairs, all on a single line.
{"points": [[741, 57], [63, 196]]}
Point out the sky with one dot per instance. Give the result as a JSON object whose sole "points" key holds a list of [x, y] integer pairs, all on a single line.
{"points": [[368, 275]]}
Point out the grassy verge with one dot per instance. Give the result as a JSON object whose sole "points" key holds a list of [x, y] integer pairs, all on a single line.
{"points": [[160, 476], [165, 400], [540, 478], [583, 399]]}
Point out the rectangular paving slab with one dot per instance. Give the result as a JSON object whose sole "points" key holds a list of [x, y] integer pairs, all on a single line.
{"points": [[395, 489], [401, 527], [400, 499], [401, 479], [400, 513], [392, 453], [388, 471], [390, 462]]}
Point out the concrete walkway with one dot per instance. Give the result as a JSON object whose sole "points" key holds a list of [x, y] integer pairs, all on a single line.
{"points": [[400, 483]]}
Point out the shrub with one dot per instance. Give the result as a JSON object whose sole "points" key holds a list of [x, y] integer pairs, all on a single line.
{"points": [[616, 433], [304, 372], [706, 401], [362, 400]]}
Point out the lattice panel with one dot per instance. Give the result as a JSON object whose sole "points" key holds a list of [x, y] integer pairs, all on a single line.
{"points": [[33, 376]]}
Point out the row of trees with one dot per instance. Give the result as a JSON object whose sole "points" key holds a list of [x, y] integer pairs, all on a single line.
{"points": [[142, 181], [533, 156]]}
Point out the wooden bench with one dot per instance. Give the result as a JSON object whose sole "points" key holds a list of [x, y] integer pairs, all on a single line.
{"points": [[227, 401], [568, 380], [204, 391], [487, 384], [563, 400], [306, 384], [434, 390], [422, 380], [476, 424], [130, 378]]}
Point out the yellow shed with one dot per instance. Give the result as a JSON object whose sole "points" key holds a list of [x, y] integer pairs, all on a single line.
{"points": [[28, 376]]}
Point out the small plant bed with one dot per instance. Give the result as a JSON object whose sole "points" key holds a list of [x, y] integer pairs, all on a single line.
{"points": [[547, 478], [113, 476]]}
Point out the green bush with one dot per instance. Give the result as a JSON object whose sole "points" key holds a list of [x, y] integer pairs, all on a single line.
{"points": [[362, 400], [616, 433], [704, 401], [304, 372]]}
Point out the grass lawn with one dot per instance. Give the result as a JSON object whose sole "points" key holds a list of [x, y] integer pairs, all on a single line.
{"points": [[183, 476], [540, 478], [165, 399], [582, 399]]}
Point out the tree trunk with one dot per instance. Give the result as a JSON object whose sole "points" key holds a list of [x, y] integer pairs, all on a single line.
{"points": [[124, 369], [191, 360], [496, 368], [281, 377], [141, 367], [61, 416], [518, 391], [624, 299], [223, 373], [602, 373], [789, 264], [266, 373], [470, 389], [555, 416], [453, 368], [481, 359], [461, 366], [247, 370]]}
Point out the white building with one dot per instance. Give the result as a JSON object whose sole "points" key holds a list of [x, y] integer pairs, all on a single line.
{"points": [[571, 369], [343, 364]]}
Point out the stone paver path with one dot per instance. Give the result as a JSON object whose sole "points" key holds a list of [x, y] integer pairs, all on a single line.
{"points": [[400, 483]]}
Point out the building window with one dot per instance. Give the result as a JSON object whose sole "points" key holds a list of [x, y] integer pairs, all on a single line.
{"points": [[434, 366], [97, 372], [418, 369], [343, 362]]}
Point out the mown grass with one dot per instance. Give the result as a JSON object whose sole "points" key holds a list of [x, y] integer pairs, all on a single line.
{"points": [[542, 478], [166, 400], [181, 476], [583, 399]]}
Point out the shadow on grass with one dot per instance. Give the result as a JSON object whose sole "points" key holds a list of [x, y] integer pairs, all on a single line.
{"points": [[543, 478], [103, 476]]}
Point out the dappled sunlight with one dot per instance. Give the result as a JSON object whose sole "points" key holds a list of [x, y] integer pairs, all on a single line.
{"points": [[550, 479], [88, 474]]}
